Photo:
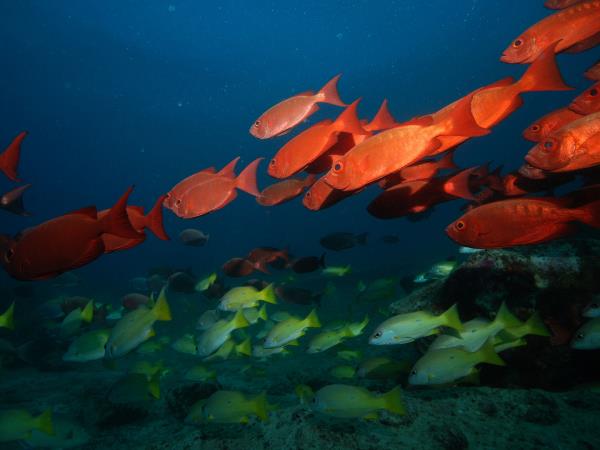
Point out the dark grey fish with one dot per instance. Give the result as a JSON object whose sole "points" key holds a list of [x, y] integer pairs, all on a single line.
{"points": [[182, 282], [12, 201], [343, 241], [298, 296], [308, 264], [193, 237]]}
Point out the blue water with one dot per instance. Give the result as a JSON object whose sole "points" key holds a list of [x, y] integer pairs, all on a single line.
{"points": [[147, 92]]}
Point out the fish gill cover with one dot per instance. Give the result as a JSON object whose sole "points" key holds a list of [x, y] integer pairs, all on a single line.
{"points": [[270, 225]]}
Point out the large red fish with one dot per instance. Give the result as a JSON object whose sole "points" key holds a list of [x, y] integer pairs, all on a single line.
{"points": [[567, 27], [522, 221], [241, 267], [383, 120], [588, 102], [285, 115], [64, 243], [213, 191], [573, 147], [284, 191], [313, 142], [547, 124], [153, 221], [9, 158], [396, 148]]}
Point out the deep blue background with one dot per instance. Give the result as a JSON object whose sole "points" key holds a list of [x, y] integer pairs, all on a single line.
{"points": [[146, 92]]}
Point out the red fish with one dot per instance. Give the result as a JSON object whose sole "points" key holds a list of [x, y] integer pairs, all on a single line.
{"points": [[396, 148], [12, 201], [284, 191], [175, 195], [213, 192], [544, 126], [560, 4], [567, 27], [593, 73], [240, 267], [427, 169], [412, 197], [285, 115], [516, 184], [383, 120], [313, 142], [588, 102], [322, 196], [267, 255], [521, 221], [64, 243], [153, 221], [533, 173], [575, 146], [9, 158]]}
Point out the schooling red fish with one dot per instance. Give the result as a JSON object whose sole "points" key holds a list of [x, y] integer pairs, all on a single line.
{"points": [[65, 242], [322, 196], [211, 192], [521, 221], [284, 191], [544, 126], [241, 267], [285, 115], [593, 73], [153, 221], [588, 102], [9, 159], [567, 27]]}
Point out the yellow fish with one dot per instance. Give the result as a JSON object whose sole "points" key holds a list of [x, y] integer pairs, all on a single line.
{"points": [[327, 339], [17, 424], [230, 407], [340, 400], [246, 297], [72, 322], [242, 349], [206, 283], [291, 329], [87, 347], [219, 333]]}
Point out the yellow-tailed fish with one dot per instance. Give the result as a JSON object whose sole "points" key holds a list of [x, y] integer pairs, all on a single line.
{"points": [[291, 329], [349, 355], [207, 319], [252, 314], [230, 407], [18, 424], [135, 388], [382, 367], [447, 365], [67, 434], [340, 400], [87, 347], [405, 328], [186, 344], [148, 369], [534, 326], [587, 337], [343, 372], [336, 271], [244, 348], [7, 319], [200, 373], [206, 282], [72, 322], [246, 297], [137, 327], [263, 353], [328, 339], [219, 333]]}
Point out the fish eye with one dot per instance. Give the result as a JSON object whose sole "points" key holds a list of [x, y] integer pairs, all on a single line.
{"points": [[272, 163], [535, 128], [377, 335], [308, 194], [460, 225], [338, 166], [593, 92], [548, 145], [257, 124], [178, 202], [413, 372], [518, 43], [580, 336]]}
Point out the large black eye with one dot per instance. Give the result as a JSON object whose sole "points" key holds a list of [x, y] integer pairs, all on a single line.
{"points": [[257, 124], [308, 194], [413, 372], [338, 166], [535, 128], [518, 43], [272, 163], [593, 92], [178, 202], [460, 225], [580, 336], [377, 335]]}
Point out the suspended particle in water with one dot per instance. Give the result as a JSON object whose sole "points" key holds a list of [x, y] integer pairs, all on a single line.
{"points": [[171, 8], [339, 36]]}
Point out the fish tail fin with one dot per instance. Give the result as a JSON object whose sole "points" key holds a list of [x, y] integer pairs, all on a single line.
{"points": [[239, 320], [329, 93], [154, 219], [161, 309], [591, 214], [154, 385], [268, 294], [312, 320], [536, 326], [452, 319], [394, 402], [383, 119], [262, 313], [117, 221], [244, 348], [356, 329], [9, 159], [7, 319], [487, 354], [446, 161], [348, 120], [362, 238], [462, 122], [87, 314], [261, 406], [43, 422], [246, 180], [506, 318], [543, 74]]}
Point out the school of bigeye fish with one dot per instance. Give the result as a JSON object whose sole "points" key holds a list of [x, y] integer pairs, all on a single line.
{"points": [[341, 157]]}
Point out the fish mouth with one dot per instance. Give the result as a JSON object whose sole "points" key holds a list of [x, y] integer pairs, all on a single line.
{"points": [[336, 184]]}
